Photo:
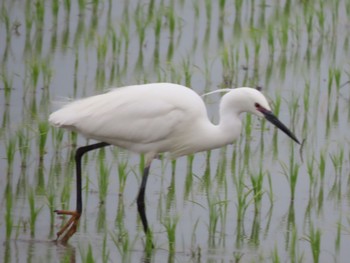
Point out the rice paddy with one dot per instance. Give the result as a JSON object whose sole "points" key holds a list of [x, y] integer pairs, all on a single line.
{"points": [[262, 199]]}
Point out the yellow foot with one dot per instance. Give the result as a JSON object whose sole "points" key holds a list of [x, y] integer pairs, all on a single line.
{"points": [[70, 227]]}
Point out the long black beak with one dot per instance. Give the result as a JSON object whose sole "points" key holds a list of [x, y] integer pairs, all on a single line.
{"points": [[273, 119]]}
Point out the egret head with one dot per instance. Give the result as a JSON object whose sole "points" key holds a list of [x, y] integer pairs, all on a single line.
{"points": [[261, 107], [253, 101]]}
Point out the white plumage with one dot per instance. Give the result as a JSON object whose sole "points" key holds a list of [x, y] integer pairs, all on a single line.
{"points": [[159, 117], [152, 119]]}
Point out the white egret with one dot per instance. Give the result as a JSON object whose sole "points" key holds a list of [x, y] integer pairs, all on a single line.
{"points": [[152, 119]]}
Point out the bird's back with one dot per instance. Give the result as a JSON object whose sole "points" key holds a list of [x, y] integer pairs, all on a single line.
{"points": [[140, 118]]}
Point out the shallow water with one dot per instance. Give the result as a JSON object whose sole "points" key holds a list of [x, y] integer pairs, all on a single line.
{"points": [[297, 52]]}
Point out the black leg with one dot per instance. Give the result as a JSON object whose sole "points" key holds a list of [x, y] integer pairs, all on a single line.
{"points": [[71, 226], [141, 199], [78, 155]]}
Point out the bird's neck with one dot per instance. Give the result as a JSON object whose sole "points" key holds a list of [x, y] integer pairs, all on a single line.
{"points": [[226, 132]]}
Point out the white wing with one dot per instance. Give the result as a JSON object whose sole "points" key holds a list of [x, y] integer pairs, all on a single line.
{"points": [[131, 115]]}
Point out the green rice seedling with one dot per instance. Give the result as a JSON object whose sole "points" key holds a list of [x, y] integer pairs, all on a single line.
{"points": [[46, 73], [65, 35], [57, 138], [306, 101], [151, 8], [314, 238], [7, 85], [208, 9], [35, 67], [337, 161], [320, 199], [321, 17], [105, 250], [170, 52], [125, 35], [328, 123], [141, 163], [73, 136], [119, 219], [79, 33], [43, 128], [171, 21], [170, 226], [157, 29], [257, 186], [293, 109], [170, 199], [101, 223], [189, 176], [55, 7], [87, 257], [122, 175], [246, 53], [276, 109], [149, 246], [312, 178], [322, 165], [338, 236], [248, 131], [337, 78], [242, 197], [262, 144], [222, 4], [220, 174], [40, 178], [67, 7], [123, 244], [228, 64], [271, 39], [186, 65], [9, 208], [193, 237], [6, 20], [65, 193], [34, 212], [28, 19], [293, 255], [53, 44], [51, 197], [330, 81], [270, 192], [10, 153], [103, 178], [40, 12], [141, 25], [275, 258], [82, 5], [336, 188], [7, 252], [102, 48], [291, 174], [213, 220], [100, 78], [254, 238], [290, 226], [206, 180], [284, 38], [234, 161]]}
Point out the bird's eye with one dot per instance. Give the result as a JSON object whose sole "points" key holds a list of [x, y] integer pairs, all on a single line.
{"points": [[257, 105]]}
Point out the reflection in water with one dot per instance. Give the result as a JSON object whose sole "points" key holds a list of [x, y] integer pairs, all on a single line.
{"points": [[101, 223], [290, 227], [28, 251]]}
